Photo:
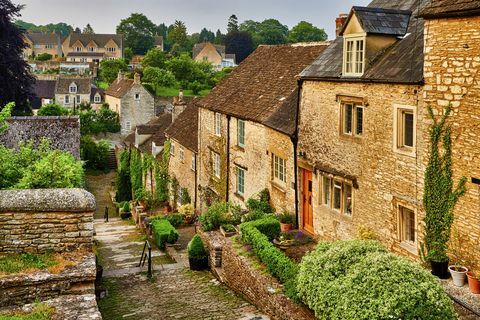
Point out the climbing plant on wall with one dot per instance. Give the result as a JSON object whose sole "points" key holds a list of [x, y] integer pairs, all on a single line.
{"points": [[440, 196], [161, 174], [124, 185], [136, 171]]}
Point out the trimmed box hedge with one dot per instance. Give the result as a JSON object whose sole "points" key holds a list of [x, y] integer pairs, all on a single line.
{"points": [[163, 232], [259, 234]]}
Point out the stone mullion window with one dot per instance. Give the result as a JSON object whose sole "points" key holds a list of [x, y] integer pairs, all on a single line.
{"points": [[351, 121], [404, 135], [279, 169], [407, 227], [241, 133], [240, 181], [337, 194]]}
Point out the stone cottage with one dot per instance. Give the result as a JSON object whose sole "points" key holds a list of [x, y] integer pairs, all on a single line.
{"points": [[84, 47], [39, 43], [360, 155], [213, 53], [247, 126], [183, 136], [71, 91], [129, 98], [452, 67]]}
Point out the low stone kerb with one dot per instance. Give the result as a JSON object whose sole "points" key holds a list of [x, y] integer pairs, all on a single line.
{"points": [[47, 200]]}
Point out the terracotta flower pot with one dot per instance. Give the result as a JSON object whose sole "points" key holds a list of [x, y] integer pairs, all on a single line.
{"points": [[458, 275], [284, 227], [473, 283]]}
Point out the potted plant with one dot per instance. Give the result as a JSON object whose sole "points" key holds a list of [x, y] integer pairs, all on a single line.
{"points": [[188, 213], [228, 230], [473, 283], [197, 255], [286, 221], [457, 269], [285, 240], [141, 197]]}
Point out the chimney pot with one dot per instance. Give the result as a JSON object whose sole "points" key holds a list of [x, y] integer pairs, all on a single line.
{"points": [[339, 22]]}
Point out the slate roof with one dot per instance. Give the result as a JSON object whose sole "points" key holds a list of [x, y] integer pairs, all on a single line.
{"points": [[100, 39], [381, 21], [262, 83], [119, 89], [155, 128], [43, 38], [197, 48], [185, 128], [284, 119], [400, 63], [451, 8], [84, 85], [44, 88], [96, 90]]}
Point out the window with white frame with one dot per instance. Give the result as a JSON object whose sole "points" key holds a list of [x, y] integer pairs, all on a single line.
{"points": [[337, 195], [279, 169], [78, 49], [83, 59], [240, 181], [241, 133], [49, 46], [407, 225], [91, 49], [181, 153], [218, 124], [97, 98], [354, 56], [352, 119], [405, 124], [72, 88], [194, 163], [128, 125], [111, 49], [172, 149], [67, 99], [216, 164], [77, 101]]}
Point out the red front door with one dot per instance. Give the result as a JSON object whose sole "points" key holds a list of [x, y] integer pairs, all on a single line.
{"points": [[307, 185]]}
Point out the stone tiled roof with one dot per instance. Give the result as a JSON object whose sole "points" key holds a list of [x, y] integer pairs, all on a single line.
{"points": [[400, 63], [185, 128], [100, 39], [44, 88], [43, 38], [259, 86], [119, 88], [451, 8], [197, 48], [284, 118], [381, 21], [155, 128], [84, 85]]}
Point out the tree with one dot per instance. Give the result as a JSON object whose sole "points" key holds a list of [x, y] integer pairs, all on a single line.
{"points": [[187, 71], [88, 29], [306, 32], [206, 36], [128, 54], [159, 77], [52, 109], [240, 43], [109, 69], [232, 25], [178, 36], [61, 28], [273, 32], [154, 58], [219, 37], [5, 113], [138, 31], [15, 78]]}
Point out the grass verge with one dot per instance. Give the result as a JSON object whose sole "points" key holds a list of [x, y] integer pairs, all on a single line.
{"points": [[40, 312]]}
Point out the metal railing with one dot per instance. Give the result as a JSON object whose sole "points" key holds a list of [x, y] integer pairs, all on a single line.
{"points": [[146, 255]]}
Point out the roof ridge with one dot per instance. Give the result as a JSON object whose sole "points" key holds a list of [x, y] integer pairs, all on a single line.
{"points": [[380, 9]]}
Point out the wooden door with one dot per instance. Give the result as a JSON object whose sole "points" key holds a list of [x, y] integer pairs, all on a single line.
{"points": [[307, 185]]}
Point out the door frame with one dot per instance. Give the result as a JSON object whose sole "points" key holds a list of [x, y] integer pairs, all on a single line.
{"points": [[307, 176]]}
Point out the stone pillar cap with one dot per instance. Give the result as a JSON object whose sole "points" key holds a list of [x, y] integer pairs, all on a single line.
{"points": [[47, 200]]}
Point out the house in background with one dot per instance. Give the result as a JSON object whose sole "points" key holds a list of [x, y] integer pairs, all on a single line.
{"points": [[39, 43], [213, 53], [247, 127], [158, 42], [97, 97], [82, 47], [129, 98], [360, 116], [71, 91], [43, 93]]}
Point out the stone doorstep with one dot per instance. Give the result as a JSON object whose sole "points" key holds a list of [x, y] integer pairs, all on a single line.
{"points": [[69, 307], [462, 296]]}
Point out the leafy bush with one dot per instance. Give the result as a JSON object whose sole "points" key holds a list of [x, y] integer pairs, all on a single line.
{"points": [[286, 218], [123, 183], [196, 249], [44, 57], [175, 219], [94, 154], [163, 232], [52, 109], [228, 227], [361, 280], [102, 121], [254, 215], [185, 197], [187, 211], [261, 202], [214, 216], [126, 206], [136, 174], [258, 234], [109, 69]]}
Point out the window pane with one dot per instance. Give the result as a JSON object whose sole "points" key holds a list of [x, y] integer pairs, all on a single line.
{"points": [[337, 195], [408, 129], [408, 224], [359, 121], [359, 57], [240, 181], [241, 133], [326, 190], [349, 57], [347, 125], [347, 199]]}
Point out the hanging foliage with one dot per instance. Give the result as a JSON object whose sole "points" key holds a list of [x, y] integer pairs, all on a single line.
{"points": [[124, 185], [440, 197], [161, 175], [136, 171]]}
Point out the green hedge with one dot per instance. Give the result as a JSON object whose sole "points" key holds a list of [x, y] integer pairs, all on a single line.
{"points": [[360, 280], [258, 234], [163, 232]]}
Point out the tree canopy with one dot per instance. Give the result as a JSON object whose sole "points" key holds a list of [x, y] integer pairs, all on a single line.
{"points": [[240, 43], [61, 28], [232, 25], [109, 69], [155, 58], [138, 32], [88, 29], [306, 32], [178, 37]]}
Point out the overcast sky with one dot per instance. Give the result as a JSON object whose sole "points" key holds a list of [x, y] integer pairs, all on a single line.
{"points": [[104, 15]]}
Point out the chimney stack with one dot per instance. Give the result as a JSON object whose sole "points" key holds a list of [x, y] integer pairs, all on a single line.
{"points": [[136, 78], [339, 22], [120, 76], [179, 105]]}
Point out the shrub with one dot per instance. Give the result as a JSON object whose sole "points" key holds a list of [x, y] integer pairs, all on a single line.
{"points": [[260, 202], [175, 219], [254, 215], [126, 206], [184, 196], [196, 249], [360, 280], [94, 154], [44, 57], [52, 109], [123, 183], [279, 265], [163, 232], [187, 211], [214, 216], [286, 218]]}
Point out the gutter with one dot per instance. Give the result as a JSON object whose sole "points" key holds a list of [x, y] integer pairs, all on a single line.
{"points": [[227, 191], [294, 139], [360, 80]]}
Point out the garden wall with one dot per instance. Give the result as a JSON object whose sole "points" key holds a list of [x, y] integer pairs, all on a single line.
{"points": [[46, 219], [63, 132], [257, 286]]}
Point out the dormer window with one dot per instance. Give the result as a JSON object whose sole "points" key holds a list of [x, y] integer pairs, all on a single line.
{"points": [[73, 88], [97, 98], [354, 56]]}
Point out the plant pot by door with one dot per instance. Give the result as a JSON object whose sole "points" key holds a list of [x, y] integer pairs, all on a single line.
{"points": [[458, 275], [473, 283], [198, 264], [284, 227], [440, 269]]}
